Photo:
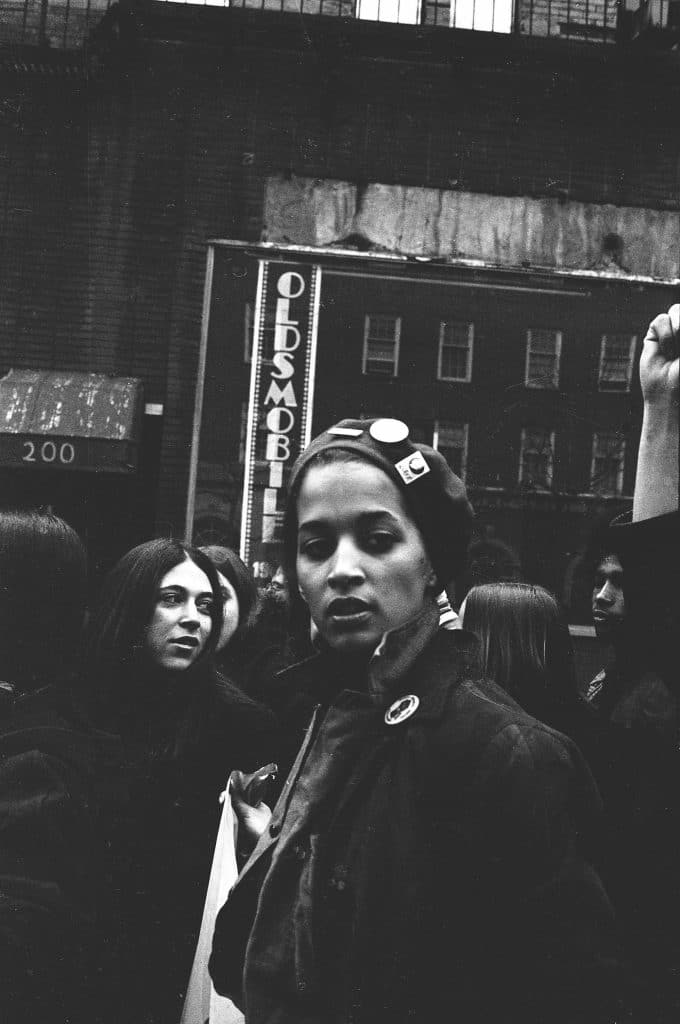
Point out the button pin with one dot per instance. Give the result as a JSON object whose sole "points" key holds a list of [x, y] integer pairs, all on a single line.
{"points": [[402, 709], [388, 431]]}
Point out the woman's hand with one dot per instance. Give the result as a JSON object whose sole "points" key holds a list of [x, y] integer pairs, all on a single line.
{"points": [[253, 818]]}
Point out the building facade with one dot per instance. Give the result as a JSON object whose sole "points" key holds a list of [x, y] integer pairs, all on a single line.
{"points": [[492, 195]]}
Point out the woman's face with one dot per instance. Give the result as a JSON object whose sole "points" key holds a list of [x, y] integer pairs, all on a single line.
{"points": [[231, 612], [361, 562], [181, 621]]}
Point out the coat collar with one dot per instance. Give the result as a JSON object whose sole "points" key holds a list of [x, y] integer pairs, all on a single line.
{"points": [[417, 658], [448, 660], [398, 651]]}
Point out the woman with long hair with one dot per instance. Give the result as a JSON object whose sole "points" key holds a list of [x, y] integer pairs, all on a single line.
{"points": [[239, 603], [426, 858], [149, 677], [525, 647]]}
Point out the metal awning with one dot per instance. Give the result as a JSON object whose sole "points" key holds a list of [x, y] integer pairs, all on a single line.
{"points": [[68, 421]]}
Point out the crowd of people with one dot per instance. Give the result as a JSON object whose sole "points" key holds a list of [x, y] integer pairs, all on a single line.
{"points": [[459, 828]]}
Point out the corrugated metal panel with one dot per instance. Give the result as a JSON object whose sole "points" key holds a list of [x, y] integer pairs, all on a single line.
{"points": [[90, 405]]}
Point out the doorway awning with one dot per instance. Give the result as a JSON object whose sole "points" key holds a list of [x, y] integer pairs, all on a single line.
{"points": [[68, 421]]}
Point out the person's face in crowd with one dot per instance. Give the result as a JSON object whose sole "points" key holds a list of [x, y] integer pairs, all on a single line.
{"points": [[181, 621], [279, 584], [361, 562], [607, 600], [231, 612]]}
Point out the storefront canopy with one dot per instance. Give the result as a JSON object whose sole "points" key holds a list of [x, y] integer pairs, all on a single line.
{"points": [[69, 421]]}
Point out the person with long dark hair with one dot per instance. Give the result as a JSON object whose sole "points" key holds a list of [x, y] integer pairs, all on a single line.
{"points": [[239, 607], [525, 647], [637, 698], [428, 857], [149, 678], [53, 885]]}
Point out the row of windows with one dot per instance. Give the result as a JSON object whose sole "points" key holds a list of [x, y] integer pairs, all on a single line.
{"points": [[537, 457], [481, 15], [456, 346], [382, 336]]}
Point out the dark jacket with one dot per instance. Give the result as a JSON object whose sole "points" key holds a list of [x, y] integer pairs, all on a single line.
{"points": [[438, 868], [163, 818], [649, 551], [55, 898], [637, 701]]}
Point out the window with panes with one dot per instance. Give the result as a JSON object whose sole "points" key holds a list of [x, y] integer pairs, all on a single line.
{"points": [[381, 345], [451, 440], [606, 470], [536, 458], [402, 12], [454, 361], [543, 358], [617, 353], [482, 15]]}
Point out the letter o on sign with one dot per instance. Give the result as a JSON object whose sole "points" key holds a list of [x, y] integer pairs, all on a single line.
{"points": [[276, 424], [48, 451], [287, 282]]}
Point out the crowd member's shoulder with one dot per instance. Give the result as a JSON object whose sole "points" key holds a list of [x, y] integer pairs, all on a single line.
{"points": [[649, 550], [498, 740], [658, 534], [47, 723]]}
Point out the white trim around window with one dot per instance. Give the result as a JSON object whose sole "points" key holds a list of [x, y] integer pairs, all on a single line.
{"points": [[444, 343], [382, 331], [543, 345], [448, 431]]}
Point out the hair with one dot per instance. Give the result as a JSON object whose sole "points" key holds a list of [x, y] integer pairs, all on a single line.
{"points": [[124, 608], [525, 643], [599, 545], [43, 588], [227, 562], [491, 560]]}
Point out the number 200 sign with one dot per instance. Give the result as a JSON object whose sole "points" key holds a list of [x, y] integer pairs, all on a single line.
{"points": [[49, 452]]}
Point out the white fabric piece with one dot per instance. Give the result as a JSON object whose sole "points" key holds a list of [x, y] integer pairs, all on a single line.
{"points": [[202, 1004]]}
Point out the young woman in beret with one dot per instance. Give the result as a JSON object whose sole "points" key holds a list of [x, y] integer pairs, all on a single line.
{"points": [[429, 857]]}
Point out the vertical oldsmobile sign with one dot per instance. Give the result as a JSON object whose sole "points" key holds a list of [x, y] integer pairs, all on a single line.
{"points": [[281, 398]]}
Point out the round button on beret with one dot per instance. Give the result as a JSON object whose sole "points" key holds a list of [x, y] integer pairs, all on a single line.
{"points": [[388, 431], [433, 494]]}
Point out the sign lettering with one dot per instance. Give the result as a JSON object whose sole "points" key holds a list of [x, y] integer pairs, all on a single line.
{"points": [[280, 407], [35, 452]]}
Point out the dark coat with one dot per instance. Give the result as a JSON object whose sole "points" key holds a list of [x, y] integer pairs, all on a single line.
{"points": [[638, 705], [161, 829], [55, 897], [650, 555], [434, 869]]}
